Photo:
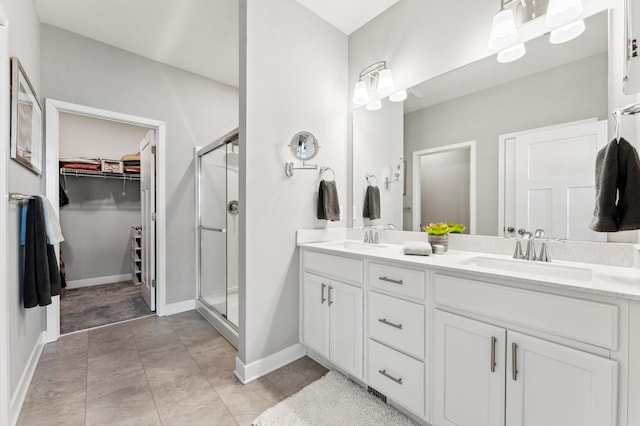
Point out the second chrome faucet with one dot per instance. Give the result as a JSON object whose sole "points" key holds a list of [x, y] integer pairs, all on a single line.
{"points": [[530, 253]]}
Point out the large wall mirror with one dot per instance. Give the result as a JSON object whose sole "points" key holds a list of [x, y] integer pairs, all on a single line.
{"points": [[495, 146]]}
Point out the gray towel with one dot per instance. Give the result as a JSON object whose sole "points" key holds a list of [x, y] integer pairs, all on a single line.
{"points": [[605, 215], [628, 187], [371, 208], [328, 203]]}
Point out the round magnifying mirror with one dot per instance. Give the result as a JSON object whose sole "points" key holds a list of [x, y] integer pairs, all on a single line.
{"points": [[304, 145]]}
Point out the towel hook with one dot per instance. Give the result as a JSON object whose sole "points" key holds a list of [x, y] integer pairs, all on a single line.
{"points": [[371, 176], [616, 125], [327, 169]]}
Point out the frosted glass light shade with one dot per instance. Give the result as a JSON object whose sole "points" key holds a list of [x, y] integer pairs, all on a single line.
{"points": [[360, 94], [561, 12], [385, 83], [503, 30], [566, 33], [375, 105], [512, 53], [399, 96]]}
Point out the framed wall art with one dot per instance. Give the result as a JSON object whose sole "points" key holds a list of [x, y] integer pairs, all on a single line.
{"points": [[26, 120]]}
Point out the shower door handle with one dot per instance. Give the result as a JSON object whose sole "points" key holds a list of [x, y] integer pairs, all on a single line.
{"points": [[206, 228]]}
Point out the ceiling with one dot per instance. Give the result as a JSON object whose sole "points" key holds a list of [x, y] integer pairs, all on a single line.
{"points": [[199, 36]]}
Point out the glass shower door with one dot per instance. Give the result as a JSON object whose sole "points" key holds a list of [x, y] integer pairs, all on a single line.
{"points": [[212, 228]]}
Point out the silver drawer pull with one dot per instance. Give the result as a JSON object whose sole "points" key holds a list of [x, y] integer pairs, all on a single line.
{"points": [[384, 321], [389, 376], [391, 280]]}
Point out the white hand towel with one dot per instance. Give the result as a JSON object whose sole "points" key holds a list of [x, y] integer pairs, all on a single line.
{"points": [[54, 232], [418, 248]]}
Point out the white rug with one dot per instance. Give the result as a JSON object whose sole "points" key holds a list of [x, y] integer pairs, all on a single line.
{"points": [[332, 400]]}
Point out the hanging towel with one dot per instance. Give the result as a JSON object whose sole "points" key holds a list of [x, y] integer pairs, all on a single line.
{"points": [[41, 274], [605, 215], [328, 204], [54, 232], [628, 187], [371, 208], [62, 196]]}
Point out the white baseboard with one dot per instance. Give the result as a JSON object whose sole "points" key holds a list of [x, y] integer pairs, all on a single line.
{"points": [[88, 282], [261, 367], [17, 399], [176, 308]]}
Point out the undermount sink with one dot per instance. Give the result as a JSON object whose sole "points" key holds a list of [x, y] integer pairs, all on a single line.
{"points": [[542, 269], [356, 245]]}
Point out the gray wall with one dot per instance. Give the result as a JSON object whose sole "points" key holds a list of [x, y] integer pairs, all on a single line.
{"points": [[293, 80], [25, 325], [573, 92], [97, 222], [197, 111]]}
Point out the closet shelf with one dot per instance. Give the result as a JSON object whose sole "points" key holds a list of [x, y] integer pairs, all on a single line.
{"points": [[98, 174]]}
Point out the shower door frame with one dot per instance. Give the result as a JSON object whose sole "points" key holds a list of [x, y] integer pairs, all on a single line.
{"points": [[219, 321]]}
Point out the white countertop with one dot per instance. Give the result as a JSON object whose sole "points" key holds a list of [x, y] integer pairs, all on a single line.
{"points": [[604, 280]]}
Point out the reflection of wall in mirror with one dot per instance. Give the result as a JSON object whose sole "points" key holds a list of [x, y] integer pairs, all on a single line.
{"points": [[571, 92], [377, 148]]}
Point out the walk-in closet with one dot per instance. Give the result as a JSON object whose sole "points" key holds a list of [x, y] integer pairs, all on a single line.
{"points": [[100, 216]]}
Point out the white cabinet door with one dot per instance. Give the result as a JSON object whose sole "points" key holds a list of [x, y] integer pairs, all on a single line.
{"points": [[345, 308], [558, 386], [469, 372], [316, 314]]}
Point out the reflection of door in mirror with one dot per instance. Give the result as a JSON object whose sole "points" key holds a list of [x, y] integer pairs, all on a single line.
{"points": [[552, 188], [444, 187]]}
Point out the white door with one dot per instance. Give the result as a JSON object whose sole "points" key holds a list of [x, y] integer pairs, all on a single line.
{"points": [[558, 386], [148, 204], [555, 180], [469, 372], [345, 312], [316, 314]]}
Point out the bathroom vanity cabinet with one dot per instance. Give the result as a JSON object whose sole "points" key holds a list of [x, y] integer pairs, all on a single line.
{"points": [[452, 346]]}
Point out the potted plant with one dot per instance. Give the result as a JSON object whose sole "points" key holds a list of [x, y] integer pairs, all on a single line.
{"points": [[456, 228], [438, 233]]}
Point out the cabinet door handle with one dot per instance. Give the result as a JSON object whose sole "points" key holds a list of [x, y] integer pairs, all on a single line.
{"points": [[390, 377], [322, 298], [391, 280], [493, 354], [514, 362], [384, 321], [330, 301]]}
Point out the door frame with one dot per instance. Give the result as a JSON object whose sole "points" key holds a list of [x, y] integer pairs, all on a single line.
{"points": [[53, 108], [4, 213], [417, 155]]}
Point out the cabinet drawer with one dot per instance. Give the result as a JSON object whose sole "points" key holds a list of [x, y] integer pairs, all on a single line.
{"points": [[583, 320], [406, 282], [342, 268], [397, 323], [398, 376]]}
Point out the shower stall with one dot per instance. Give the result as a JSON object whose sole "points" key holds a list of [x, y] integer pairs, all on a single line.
{"points": [[217, 224]]}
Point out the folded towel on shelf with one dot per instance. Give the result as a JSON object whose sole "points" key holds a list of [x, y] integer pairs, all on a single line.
{"points": [[628, 187], [78, 160], [605, 215], [131, 163], [328, 203], [131, 157], [371, 209], [41, 274], [418, 248]]}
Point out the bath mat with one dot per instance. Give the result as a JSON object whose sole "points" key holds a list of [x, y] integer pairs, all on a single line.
{"points": [[332, 400]]}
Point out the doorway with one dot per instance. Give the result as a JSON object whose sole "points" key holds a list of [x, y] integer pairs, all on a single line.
{"points": [[54, 110]]}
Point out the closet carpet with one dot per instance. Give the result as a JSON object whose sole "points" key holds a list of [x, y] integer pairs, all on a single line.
{"points": [[87, 307]]}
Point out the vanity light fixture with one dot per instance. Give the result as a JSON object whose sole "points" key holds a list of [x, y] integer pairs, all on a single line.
{"points": [[567, 33], [375, 105], [378, 76], [512, 53], [562, 12], [503, 30], [399, 96]]}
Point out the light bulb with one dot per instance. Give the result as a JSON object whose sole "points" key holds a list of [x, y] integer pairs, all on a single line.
{"points": [[375, 105], [561, 12], [360, 94], [385, 83], [566, 33], [399, 96], [512, 53], [503, 30]]}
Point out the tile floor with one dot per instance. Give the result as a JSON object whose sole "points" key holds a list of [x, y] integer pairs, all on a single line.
{"points": [[152, 371]]}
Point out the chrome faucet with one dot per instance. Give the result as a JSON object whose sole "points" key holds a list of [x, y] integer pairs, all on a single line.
{"points": [[530, 253], [371, 235]]}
